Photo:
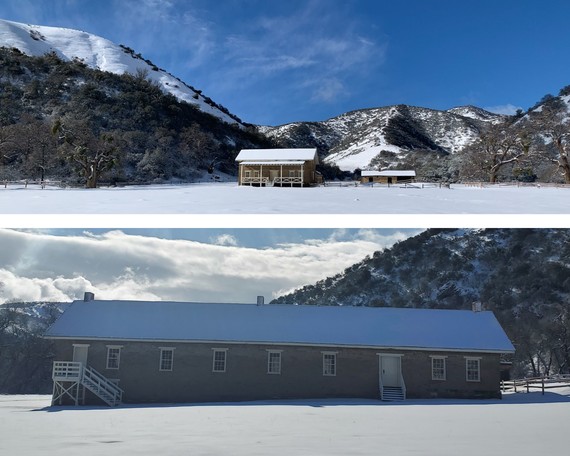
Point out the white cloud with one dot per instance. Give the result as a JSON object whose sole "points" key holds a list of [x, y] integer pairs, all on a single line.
{"points": [[328, 90], [167, 29], [225, 239], [323, 43], [506, 109], [37, 266]]}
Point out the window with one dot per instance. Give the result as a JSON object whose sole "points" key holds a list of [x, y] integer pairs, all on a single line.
{"points": [[473, 369], [438, 368], [247, 173], [329, 364], [113, 357], [219, 360], [166, 359], [273, 362]]}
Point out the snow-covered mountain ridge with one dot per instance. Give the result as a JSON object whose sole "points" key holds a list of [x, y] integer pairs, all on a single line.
{"points": [[382, 137], [99, 53]]}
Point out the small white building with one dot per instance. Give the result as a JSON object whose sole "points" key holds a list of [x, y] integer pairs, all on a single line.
{"points": [[388, 176], [278, 167]]}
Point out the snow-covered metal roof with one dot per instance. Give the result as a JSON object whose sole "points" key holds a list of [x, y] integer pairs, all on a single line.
{"points": [[389, 172], [283, 324], [280, 162], [277, 154]]}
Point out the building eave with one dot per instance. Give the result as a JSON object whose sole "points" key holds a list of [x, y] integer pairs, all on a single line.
{"points": [[286, 344]]}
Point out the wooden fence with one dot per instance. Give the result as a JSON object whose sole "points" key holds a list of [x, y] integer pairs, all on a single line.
{"points": [[340, 183], [39, 183], [400, 184], [540, 383], [424, 185], [62, 184], [515, 184]]}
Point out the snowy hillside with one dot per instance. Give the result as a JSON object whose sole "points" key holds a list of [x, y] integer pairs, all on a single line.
{"points": [[100, 53], [452, 269], [476, 113], [522, 275], [374, 138]]}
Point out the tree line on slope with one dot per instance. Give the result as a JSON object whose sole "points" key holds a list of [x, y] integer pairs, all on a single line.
{"points": [[58, 119], [530, 147], [25, 356]]}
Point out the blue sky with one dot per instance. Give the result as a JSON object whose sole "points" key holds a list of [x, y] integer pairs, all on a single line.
{"points": [[273, 62]]}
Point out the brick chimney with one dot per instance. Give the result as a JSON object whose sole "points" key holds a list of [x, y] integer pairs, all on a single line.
{"points": [[88, 296]]}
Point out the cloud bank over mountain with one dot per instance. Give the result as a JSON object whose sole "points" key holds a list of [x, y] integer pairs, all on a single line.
{"points": [[38, 266]]}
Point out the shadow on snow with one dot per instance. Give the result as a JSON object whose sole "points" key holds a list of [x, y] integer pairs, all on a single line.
{"points": [[509, 399]]}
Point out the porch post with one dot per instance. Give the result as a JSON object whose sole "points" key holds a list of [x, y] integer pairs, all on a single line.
{"points": [[53, 392], [260, 175], [240, 174], [281, 175], [302, 174]]}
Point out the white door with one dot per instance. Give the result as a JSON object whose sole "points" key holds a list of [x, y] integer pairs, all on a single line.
{"points": [[273, 174], [390, 370], [80, 353]]}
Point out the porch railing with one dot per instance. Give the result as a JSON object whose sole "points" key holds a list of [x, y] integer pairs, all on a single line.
{"points": [[67, 371], [288, 180], [403, 385], [255, 180]]}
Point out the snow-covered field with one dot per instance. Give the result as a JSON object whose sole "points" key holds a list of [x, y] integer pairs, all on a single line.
{"points": [[228, 198], [521, 424]]}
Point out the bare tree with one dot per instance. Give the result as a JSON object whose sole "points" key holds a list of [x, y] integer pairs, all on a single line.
{"points": [[554, 125], [498, 146], [7, 145], [92, 155], [32, 147]]}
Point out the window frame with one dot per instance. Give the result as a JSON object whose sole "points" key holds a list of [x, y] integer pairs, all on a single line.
{"points": [[117, 358], [329, 369], [469, 359], [215, 351], [161, 359], [271, 364], [443, 368]]}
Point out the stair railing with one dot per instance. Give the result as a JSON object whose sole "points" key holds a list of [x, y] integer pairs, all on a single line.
{"points": [[101, 383]]}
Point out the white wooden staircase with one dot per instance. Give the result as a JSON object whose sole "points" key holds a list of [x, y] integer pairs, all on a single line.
{"points": [[396, 391], [392, 393], [71, 379]]}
